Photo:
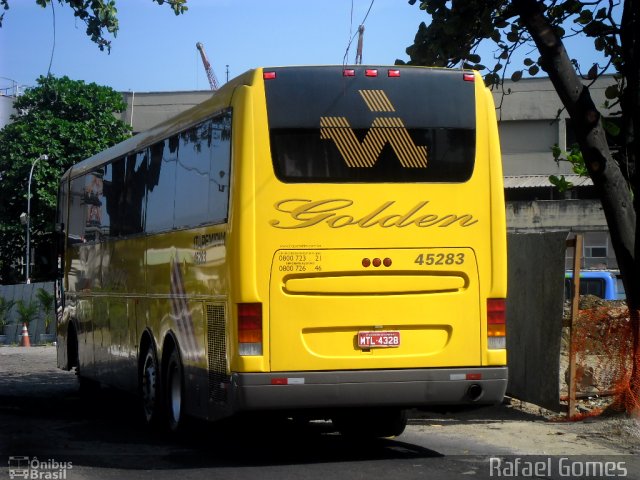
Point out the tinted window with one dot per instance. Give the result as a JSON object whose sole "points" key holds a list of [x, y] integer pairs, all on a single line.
{"points": [[161, 196], [97, 221], [220, 168], [192, 180], [136, 178], [592, 286], [418, 127], [78, 211]]}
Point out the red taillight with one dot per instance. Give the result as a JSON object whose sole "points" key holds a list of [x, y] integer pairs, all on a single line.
{"points": [[250, 328], [468, 77], [394, 73], [371, 72], [496, 308], [496, 324], [348, 72], [269, 75]]}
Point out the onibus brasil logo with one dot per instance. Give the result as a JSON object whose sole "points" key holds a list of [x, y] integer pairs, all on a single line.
{"points": [[32, 468]]}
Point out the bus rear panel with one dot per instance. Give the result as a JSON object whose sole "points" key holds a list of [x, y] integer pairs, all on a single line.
{"points": [[378, 240]]}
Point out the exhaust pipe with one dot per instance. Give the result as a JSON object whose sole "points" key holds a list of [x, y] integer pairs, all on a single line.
{"points": [[475, 392]]}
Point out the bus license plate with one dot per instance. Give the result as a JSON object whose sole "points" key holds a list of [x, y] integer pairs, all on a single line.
{"points": [[379, 339]]}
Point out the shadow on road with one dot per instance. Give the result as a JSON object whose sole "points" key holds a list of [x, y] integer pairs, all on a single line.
{"points": [[104, 430]]}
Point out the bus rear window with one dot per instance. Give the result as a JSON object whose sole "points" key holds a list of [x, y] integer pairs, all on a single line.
{"points": [[325, 127]]}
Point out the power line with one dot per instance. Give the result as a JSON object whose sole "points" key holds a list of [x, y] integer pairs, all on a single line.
{"points": [[53, 47], [346, 53]]}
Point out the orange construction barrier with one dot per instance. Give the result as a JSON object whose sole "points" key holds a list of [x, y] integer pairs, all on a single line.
{"points": [[24, 340]]}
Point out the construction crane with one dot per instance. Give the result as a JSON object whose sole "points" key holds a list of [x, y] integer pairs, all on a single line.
{"points": [[213, 81], [359, 50]]}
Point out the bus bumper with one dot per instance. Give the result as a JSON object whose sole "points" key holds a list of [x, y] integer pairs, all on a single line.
{"points": [[375, 388]]}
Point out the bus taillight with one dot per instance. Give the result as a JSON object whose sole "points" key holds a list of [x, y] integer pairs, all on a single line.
{"points": [[496, 323], [250, 328]]}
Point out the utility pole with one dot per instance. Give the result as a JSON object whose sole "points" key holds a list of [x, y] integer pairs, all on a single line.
{"points": [[359, 50]]}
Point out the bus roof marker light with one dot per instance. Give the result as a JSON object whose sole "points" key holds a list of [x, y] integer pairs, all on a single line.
{"points": [[371, 72], [348, 72], [468, 77], [393, 72], [387, 262], [366, 262], [377, 262], [269, 75]]}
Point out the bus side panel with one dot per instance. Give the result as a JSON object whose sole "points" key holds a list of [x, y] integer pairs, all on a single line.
{"points": [[495, 282]]}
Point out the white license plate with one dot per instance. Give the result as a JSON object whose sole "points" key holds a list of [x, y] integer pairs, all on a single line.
{"points": [[379, 339]]}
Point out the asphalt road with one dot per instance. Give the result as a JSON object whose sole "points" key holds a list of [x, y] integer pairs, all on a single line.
{"points": [[47, 430]]}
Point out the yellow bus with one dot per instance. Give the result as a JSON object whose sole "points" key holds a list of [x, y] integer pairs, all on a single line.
{"points": [[326, 242]]}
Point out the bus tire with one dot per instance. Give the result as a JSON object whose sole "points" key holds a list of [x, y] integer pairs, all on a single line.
{"points": [[150, 388], [371, 422], [174, 393]]}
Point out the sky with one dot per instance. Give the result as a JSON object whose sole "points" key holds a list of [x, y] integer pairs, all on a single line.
{"points": [[155, 50]]}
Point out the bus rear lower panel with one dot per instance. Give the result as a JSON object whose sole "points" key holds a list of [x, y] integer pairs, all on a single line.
{"points": [[368, 388]]}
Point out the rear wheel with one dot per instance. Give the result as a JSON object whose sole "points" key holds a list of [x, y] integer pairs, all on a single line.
{"points": [[150, 388], [371, 422], [174, 391]]}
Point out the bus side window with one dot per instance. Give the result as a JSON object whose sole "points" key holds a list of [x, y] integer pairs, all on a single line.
{"points": [[161, 196], [592, 286]]}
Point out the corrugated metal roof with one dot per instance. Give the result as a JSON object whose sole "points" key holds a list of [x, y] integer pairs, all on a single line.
{"points": [[537, 181]]}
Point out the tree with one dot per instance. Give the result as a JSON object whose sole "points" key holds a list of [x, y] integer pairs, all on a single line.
{"points": [[99, 15], [67, 120], [458, 27]]}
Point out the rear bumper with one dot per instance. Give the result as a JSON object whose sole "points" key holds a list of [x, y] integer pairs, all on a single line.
{"points": [[362, 388]]}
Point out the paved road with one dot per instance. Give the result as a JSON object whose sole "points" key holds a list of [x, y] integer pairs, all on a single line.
{"points": [[45, 423]]}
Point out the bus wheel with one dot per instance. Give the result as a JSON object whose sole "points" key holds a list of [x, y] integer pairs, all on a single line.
{"points": [[175, 390], [371, 422], [150, 387]]}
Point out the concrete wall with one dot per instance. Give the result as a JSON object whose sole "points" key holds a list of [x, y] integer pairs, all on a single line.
{"points": [[27, 293], [576, 216], [147, 109], [551, 215], [535, 301]]}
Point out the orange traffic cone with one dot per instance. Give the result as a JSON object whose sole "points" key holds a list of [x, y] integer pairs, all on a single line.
{"points": [[24, 341]]}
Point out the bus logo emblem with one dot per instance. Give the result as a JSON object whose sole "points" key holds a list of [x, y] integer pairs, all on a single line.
{"points": [[383, 130]]}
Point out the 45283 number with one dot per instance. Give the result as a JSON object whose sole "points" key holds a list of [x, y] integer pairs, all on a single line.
{"points": [[440, 259]]}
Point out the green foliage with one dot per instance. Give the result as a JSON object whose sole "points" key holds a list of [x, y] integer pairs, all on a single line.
{"points": [[46, 301], [5, 308], [100, 16], [457, 28], [561, 183], [67, 120], [27, 311], [573, 156]]}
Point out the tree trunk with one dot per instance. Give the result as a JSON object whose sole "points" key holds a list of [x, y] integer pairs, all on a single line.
{"points": [[620, 200], [613, 189]]}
